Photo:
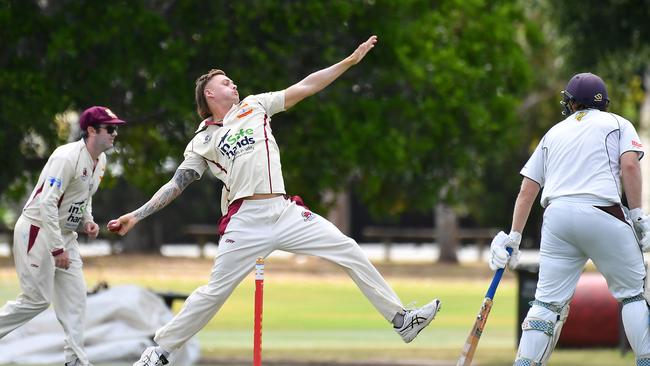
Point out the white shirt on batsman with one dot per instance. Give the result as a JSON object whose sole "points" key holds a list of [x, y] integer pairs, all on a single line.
{"points": [[598, 139]]}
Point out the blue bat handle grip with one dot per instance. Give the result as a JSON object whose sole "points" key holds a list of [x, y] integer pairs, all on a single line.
{"points": [[496, 280]]}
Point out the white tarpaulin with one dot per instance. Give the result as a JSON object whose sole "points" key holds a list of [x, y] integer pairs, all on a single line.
{"points": [[120, 324]]}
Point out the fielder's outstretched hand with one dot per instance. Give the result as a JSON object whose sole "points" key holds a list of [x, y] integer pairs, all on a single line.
{"points": [[123, 224], [362, 50]]}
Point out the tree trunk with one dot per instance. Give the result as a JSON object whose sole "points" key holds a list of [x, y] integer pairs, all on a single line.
{"points": [[339, 214], [447, 232]]}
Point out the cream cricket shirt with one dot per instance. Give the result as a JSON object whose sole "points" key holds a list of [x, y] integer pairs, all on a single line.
{"points": [[242, 151], [62, 198], [580, 157]]}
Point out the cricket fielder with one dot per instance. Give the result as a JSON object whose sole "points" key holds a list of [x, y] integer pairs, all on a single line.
{"points": [[45, 248], [236, 143], [582, 164]]}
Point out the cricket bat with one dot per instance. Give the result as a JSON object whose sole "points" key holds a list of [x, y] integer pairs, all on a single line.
{"points": [[467, 354]]}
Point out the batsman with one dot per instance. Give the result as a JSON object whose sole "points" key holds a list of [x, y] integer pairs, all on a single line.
{"points": [[582, 165]]}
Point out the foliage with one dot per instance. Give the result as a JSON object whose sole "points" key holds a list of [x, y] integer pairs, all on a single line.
{"points": [[608, 38], [423, 119]]}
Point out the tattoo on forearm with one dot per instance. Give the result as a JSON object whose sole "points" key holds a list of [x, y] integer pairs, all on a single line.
{"points": [[184, 177], [168, 192]]}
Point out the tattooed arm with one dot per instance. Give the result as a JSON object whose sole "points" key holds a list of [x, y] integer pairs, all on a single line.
{"points": [[166, 194]]}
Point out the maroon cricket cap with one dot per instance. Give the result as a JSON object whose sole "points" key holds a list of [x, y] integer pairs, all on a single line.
{"points": [[98, 115]]}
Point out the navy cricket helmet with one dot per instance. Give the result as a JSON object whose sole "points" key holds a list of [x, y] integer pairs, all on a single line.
{"points": [[586, 89]]}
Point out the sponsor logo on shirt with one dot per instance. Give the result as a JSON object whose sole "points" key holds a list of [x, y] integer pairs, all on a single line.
{"points": [[245, 111], [307, 216], [54, 181], [84, 174], [75, 212], [233, 145], [637, 144], [230, 241], [580, 115]]}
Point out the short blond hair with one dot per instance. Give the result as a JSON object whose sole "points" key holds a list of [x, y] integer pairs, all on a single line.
{"points": [[201, 103]]}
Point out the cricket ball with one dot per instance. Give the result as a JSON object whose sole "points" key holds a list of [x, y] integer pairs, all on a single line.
{"points": [[114, 226]]}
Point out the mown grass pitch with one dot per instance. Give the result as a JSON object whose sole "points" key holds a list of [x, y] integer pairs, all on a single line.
{"points": [[314, 312]]}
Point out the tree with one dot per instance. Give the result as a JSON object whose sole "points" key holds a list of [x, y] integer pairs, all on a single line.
{"points": [[413, 126]]}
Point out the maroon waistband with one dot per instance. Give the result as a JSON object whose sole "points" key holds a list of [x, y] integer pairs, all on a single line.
{"points": [[225, 219], [234, 207]]}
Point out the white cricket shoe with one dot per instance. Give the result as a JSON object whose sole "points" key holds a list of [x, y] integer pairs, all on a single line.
{"points": [[416, 319], [151, 357]]}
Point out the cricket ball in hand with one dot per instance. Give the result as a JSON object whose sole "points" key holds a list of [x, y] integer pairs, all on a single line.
{"points": [[114, 226]]}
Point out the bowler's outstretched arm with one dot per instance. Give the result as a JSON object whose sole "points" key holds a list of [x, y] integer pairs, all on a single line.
{"points": [[165, 195], [318, 80]]}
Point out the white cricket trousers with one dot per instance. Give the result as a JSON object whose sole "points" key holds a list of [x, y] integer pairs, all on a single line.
{"points": [[574, 231], [257, 228], [43, 284]]}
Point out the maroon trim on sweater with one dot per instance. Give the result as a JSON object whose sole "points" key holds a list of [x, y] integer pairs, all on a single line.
{"points": [[217, 164], [225, 220], [268, 154], [38, 191], [33, 233]]}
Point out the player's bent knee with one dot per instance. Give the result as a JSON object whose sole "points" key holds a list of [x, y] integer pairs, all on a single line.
{"points": [[35, 303], [541, 330], [37, 306]]}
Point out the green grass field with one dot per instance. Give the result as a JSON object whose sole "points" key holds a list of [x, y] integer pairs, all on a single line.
{"points": [[315, 313]]}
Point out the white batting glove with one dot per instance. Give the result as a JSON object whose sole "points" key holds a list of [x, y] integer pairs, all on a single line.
{"points": [[641, 223], [498, 253], [515, 240]]}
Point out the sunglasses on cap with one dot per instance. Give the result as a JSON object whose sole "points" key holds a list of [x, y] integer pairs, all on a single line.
{"points": [[109, 128]]}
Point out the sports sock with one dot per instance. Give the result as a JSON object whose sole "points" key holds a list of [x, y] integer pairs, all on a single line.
{"points": [[398, 320], [161, 351]]}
